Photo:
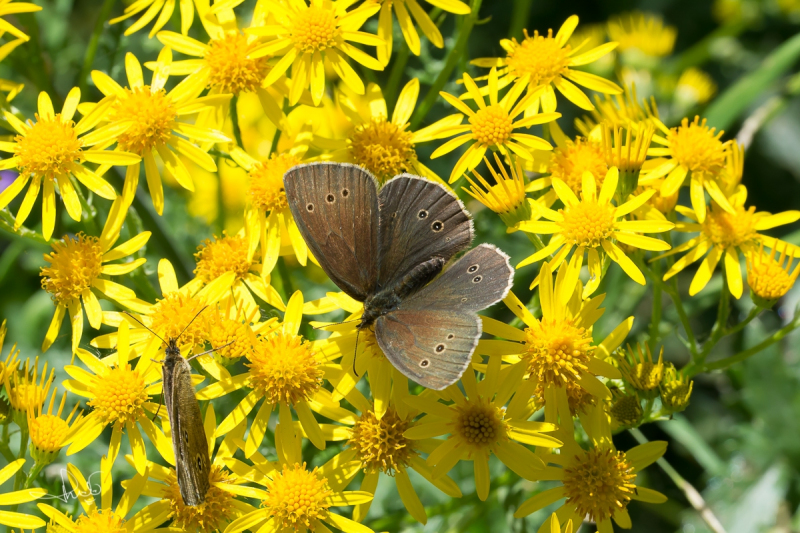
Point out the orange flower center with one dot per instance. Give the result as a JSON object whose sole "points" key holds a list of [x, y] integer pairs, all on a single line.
{"points": [[588, 223], [479, 424], [48, 432], [491, 126], [557, 351], [540, 56], [315, 29], [599, 483], [48, 149], [725, 229], [266, 182], [96, 520], [217, 257], [297, 498], [213, 514], [283, 368], [570, 162], [75, 263], [152, 116], [231, 70], [119, 395], [380, 444], [696, 147], [384, 148], [176, 313]]}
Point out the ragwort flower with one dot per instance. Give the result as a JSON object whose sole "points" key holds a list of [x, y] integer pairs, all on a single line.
{"points": [[51, 151], [13, 519], [769, 277], [161, 8], [48, 431], [644, 33]]}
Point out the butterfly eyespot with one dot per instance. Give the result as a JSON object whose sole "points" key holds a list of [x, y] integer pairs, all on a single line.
{"points": [[199, 462], [472, 269], [477, 279], [440, 347], [447, 239], [451, 337], [437, 226], [186, 436], [464, 299], [330, 198], [345, 193], [310, 207], [394, 215], [424, 363], [422, 214]]}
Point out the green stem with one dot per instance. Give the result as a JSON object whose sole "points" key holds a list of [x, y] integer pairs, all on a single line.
{"points": [[741, 356], [459, 49], [395, 76], [286, 280], [754, 312], [237, 132], [655, 318], [691, 493], [33, 474], [94, 41], [23, 446], [723, 311], [88, 211], [520, 14], [7, 224], [221, 215], [273, 148]]}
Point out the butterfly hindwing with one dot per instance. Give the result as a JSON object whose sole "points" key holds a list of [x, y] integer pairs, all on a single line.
{"points": [[335, 207], [432, 348], [419, 220]]}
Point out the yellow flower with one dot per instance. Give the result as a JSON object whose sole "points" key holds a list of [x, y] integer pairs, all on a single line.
{"points": [[591, 223], [119, 396], [640, 371], [598, 483], [23, 393], [82, 263], [569, 161], [547, 61], [311, 38], [695, 149], [103, 517], [48, 431], [626, 148], [8, 7], [556, 352], [51, 152], [381, 446], [493, 126], [480, 424], [286, 371], [642, 32], [220, 506], [617, 111], [161, 8], [224, 63], [144, 119], [770, 278], [694, 87], [295, 497], [675, 389], [384, 147], [11, 519], [404, 19], [721, 235]]}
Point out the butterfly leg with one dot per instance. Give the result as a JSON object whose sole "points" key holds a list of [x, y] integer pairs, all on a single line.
{"points": [[160, 401]]}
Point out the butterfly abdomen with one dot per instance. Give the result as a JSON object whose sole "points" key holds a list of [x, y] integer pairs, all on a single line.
{"points": [[419, 276]]}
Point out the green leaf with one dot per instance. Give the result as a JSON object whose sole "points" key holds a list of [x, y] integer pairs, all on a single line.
{"points": [[733, 102]]}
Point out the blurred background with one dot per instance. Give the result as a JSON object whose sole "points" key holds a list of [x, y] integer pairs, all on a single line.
{"points": [[733, 61]]}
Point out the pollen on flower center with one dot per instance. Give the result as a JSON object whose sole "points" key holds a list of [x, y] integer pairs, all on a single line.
{"points": [[266, 182], [380, 444], [152, 116], [568, 163], [588, 223], [479, 424], [725, 230], [491, 126], [599, 483], [696, 146], [104, 520], [75, 263], [216, 510], [557, 351], [230, 68], [315, 29], [49, 148], [540, 56], [119, 395], [383, 147], [48, 432], [177, 315], [223, 330], [297, 498], [217, 257], [283, 368]]}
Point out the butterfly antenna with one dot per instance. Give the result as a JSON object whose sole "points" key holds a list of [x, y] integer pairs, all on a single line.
{"points": [[355, 355], [337, 323], [211, 350], [190, 322], [145, 327]]}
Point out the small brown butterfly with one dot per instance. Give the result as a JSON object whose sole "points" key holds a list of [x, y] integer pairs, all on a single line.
{"points": [[189, 442]]}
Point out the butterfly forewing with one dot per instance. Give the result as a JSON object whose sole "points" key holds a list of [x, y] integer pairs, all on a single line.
{"points": [[335, 207], [419, 220], [431, 347]]}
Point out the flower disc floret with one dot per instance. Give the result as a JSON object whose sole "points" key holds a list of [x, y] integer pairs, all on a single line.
{"points": [[491, 126], [105, 520], [119, 395], [379, 443], [266, 182], [557, 351], [568, 163], [315, 29], [768, 278], [216, 510], [223, 331], [384, 148], [284, 369], [230, 68], [599, 483], [724, 229], [626, 410], [177, 315], [539, 56], [588, 223], [479, 424], [75, 263], [49, 148], [48, 432], [152, 115], [25, 396], [217, 257], [697, 147], [297, 498]]}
